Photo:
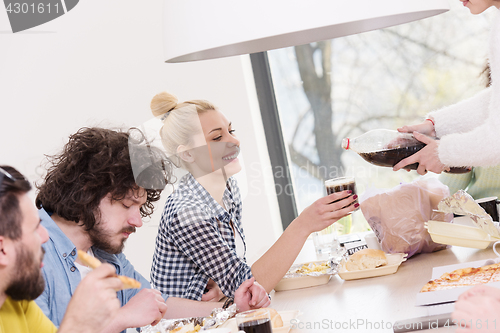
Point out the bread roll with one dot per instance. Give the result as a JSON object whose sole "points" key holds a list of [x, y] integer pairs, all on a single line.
{"points": [[366, 259], [276, 320]]}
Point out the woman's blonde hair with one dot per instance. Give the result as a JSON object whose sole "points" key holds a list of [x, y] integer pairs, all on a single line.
{"points": [[179, 123]]}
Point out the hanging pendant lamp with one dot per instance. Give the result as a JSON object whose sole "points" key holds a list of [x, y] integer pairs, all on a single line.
{"points": [[208, 29]]}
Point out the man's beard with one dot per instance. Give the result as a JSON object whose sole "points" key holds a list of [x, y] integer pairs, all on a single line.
{"points": [[102, 239], [27, 282]]}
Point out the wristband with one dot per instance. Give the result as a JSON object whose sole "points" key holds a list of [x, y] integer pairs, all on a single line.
{"points": [[432, 121], [229, 301]]}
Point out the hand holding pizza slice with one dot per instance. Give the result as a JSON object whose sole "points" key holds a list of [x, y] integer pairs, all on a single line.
{"points": [[92, 262]]}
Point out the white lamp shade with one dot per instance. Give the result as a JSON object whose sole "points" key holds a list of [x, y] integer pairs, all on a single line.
{"points": [[207, 29]]}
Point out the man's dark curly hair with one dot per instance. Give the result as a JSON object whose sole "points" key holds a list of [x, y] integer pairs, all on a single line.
{"points": [[97, 162]]}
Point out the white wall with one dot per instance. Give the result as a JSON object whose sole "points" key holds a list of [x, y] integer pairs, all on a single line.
{"points": [[100, 64]]}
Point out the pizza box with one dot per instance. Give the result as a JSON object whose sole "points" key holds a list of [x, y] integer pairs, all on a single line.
{"points": [[451, 295]]}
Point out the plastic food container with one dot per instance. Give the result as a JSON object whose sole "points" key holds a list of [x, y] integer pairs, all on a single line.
{"points": [[302, 282], [459, 235], [393, 262], [296, 278]]}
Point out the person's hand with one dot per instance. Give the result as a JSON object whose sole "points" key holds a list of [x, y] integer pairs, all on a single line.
{"points": [[251, 295], [94, 303], [480, 290], [426, 127], [427, 158], [324, 211], [145, 308], [214, 294], [477, 310]]}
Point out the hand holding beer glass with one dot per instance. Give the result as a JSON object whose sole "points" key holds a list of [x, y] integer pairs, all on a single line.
{"points": [[326, 241]]}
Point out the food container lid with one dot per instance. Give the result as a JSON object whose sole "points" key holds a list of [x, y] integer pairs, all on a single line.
{"points": [[462, 203]]}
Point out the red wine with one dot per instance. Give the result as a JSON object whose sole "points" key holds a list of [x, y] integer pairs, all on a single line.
{"points": [[391, 157], [256, 326]]}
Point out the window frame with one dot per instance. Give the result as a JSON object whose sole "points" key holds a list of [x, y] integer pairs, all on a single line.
{"points": [[274, 137]]}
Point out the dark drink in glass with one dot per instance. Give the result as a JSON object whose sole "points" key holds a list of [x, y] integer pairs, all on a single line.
{"points": [[340, 184], [326, 240], [256, 326], [254, 321]]}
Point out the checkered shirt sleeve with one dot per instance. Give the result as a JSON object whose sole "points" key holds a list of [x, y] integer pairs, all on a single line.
{"points": [[195, 242]]}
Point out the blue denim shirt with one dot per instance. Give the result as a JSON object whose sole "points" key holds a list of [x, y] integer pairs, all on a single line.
{"points": [[62, 276]]}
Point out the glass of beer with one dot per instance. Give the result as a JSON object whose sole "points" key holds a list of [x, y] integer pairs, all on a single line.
{"points": [[340, 184], [326, 241], [254, 321]]}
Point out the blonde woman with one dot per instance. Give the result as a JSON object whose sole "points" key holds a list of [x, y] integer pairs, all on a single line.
{"points": [[200, 242]]}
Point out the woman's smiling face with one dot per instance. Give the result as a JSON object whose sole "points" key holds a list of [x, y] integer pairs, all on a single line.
{"points": [[215, 147]]}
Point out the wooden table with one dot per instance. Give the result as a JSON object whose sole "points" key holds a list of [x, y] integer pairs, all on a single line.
{"points": [[372, 304]]}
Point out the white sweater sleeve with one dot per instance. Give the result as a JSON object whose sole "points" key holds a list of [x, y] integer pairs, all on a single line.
{"points": [[457, 118], [481, 145], [470, 136]]}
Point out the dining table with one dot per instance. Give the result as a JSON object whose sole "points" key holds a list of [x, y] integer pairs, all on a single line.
{"points": [[376, 304]]}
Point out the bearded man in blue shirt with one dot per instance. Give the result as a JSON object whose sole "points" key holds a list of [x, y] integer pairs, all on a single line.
{"points": [[94, 196]]}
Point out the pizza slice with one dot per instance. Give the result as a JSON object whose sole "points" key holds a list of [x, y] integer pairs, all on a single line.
{"points": [[496, 275], [462, 277], [471, 276], [92, 262]]}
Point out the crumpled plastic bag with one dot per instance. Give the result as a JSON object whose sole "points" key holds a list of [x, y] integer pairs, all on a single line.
{"points": [[397, 215]]}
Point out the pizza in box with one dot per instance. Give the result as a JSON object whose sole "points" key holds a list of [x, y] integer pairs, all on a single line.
{"points": [[464, 277]]}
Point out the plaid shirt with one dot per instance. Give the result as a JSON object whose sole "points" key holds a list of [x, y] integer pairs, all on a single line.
{"points": [[196, 242]]}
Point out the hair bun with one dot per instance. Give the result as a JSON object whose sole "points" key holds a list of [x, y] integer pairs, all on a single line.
{"points": [[163, 103]]}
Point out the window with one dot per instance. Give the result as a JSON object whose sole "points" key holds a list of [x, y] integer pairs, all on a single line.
{"points": [[312, 96]]}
